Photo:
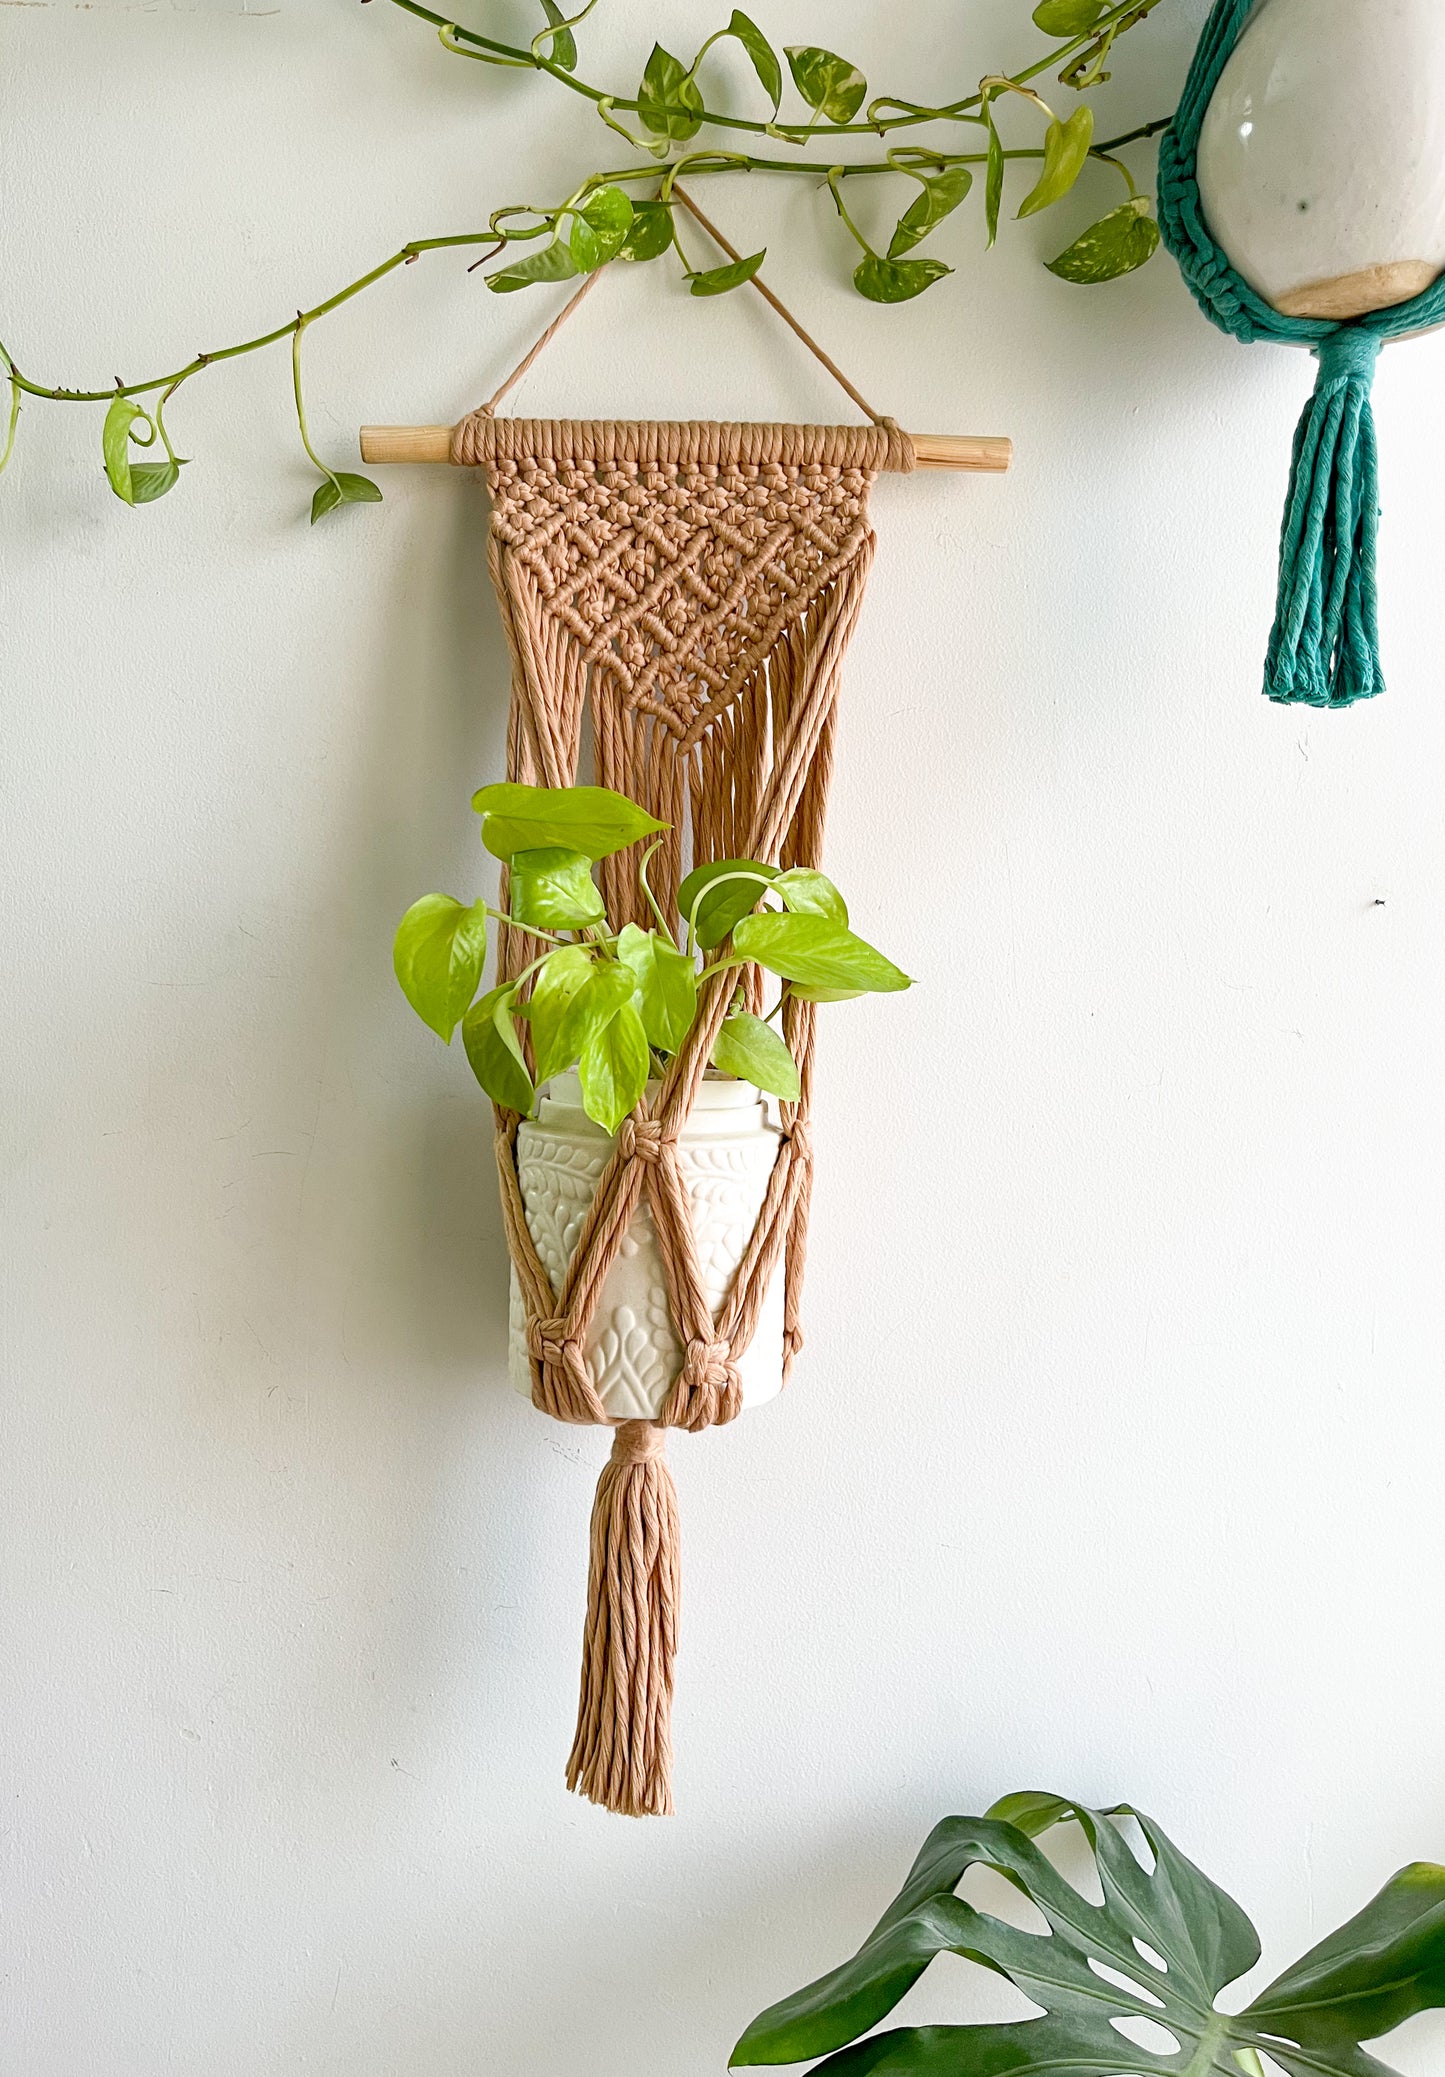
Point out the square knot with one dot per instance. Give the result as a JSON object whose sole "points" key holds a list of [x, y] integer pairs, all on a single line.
{"points": [[639, 1138], [552, 1341], [709, 1366]]}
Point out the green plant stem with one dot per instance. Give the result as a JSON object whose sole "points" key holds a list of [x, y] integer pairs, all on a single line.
{"points": [[230, 353], [513, 54], [693, 163], [533, 930], [13, 422]]}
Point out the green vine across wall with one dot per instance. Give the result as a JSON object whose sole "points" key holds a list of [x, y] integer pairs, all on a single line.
{"points": [[628, 212]]}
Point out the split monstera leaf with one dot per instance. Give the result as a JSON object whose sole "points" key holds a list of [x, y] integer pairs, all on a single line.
{"points": [[1127, 1986], [617, 1004]]}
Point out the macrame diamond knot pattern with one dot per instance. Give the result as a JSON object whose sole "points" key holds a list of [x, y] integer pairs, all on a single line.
{"points": [[676, 581]]}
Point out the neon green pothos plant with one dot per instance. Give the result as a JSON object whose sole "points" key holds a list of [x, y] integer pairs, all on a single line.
{"points": [[1127, 1986], [617, 1004]]}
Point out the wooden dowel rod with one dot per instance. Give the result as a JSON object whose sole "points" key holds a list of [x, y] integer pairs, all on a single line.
{"points": [[977, 452]]}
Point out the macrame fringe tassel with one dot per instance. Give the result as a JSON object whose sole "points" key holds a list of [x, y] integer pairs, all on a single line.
{"points": [[1324, 650], [622, 1753]]}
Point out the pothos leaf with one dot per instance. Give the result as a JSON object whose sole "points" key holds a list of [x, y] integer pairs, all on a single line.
{"points": [[758, 48], [495, 1051], [664, 986], [574, 996], [716, 895], [564, 43], [749, 1048], [135, 483], [553, 889], [716, 281], [599, 228], [115, 444], [592, 819], [438, 954], [811, 893], [1067, 17], [828, 83], [151, 480], [650, 232], [668, 100], [1115, 245], [553, 263], [895, 281], [1383, 1967], [816, 951], [1066, 147], [614, 1068], [345, 487], [941, 193], [993, 179]]}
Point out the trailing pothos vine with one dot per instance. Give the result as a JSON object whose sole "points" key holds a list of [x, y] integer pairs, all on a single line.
{"points": [[628, 212]]}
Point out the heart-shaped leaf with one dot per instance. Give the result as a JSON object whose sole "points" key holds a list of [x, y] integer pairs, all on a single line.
{"points": [[664, 986], [940, 194], [343, 488], [575, 996], [668, 100], [718, 280], [895, 281], [553, 889], [752, 1050], [716, 896], [816, 952], [151, 480], [614, 1068], [590, 819], [1115, 245], [1066, 147], [438, 956], [495, 1051], [1155, 1953], [599, 228], [811, 893], [828, 83], [650, 232]]}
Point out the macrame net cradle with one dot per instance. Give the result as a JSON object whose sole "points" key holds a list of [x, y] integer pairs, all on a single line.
{"points": [[677, 600]]}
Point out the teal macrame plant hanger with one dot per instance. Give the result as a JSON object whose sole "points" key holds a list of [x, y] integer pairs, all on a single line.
{"points": [[1324, 649]]}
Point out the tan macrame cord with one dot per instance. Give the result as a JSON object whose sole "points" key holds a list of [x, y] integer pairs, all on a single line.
{"points": [[686, 592]]}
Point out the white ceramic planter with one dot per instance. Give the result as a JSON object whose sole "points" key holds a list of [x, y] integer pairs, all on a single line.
{"points": [[1322, 155], [728, 1147]]}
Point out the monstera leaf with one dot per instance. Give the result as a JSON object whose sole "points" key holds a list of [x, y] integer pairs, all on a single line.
{"points": [[1152, 1959]]}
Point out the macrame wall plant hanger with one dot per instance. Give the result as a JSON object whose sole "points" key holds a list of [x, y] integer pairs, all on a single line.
{"points": [[677, 599]]}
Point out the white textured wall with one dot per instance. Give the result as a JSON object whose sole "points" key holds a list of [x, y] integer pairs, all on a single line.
{"points": [[1114, 1464]]}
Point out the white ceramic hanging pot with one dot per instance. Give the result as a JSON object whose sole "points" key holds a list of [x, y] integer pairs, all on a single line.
{"points": [[728, 1147], [1321, 159]]}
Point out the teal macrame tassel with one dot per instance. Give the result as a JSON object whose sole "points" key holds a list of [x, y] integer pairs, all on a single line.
{"points": [[1324, 650]]}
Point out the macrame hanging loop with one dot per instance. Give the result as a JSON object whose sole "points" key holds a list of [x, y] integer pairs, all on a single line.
{"points": [[1324, 648], [677, 599]]}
